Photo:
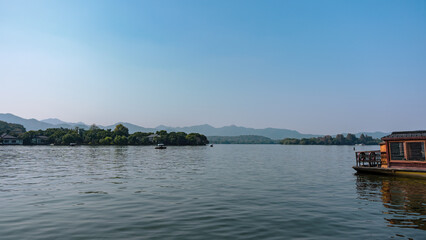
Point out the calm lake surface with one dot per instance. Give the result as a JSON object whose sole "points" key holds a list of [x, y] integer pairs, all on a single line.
{"points": [[224, 192]]}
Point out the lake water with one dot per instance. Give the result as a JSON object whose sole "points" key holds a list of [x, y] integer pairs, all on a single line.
{"points": [[224, 192]]}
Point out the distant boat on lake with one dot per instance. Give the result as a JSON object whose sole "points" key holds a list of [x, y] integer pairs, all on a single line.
{"points": [[160, 146], [401, 153]]}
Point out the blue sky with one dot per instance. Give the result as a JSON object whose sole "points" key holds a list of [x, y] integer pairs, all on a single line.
{"points": [[321, 67]]}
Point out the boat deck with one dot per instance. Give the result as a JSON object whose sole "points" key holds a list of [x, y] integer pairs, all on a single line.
{"points": [[406, 171]]}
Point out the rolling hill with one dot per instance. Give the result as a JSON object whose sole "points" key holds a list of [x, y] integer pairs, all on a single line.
{"points": [[231, 131]]}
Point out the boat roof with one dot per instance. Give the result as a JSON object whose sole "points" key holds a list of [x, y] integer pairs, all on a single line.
{"points": [[406, 135]]}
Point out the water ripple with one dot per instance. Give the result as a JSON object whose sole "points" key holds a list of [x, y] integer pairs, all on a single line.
{"points": [[225, 192]]}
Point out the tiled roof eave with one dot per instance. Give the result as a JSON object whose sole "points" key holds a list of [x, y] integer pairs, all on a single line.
{"points": [[406, 135], [403, 138]]}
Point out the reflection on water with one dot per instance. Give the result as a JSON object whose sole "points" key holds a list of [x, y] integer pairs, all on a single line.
{"points": [[404, 199], [226, 192]]}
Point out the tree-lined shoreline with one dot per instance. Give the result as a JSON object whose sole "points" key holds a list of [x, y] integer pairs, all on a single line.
{"points": [[350, 139], [97, 136], [120, 136]]}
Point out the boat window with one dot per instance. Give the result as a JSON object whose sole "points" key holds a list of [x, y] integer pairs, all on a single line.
{"points": [[416, 151], [397, 151]]}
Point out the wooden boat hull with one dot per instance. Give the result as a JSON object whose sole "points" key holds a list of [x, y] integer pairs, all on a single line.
{"points": [[415, 173]]}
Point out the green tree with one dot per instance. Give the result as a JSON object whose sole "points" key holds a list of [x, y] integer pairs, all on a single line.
{"points": [[94, 127], [11, 128], [121, 130], [106, 141], [180, 139], [120, 140], [72, 137], [351, 139], [55, 135], [362, 138], [196, 139], [290, 141], [139, 138], [28, 136], [340, 139], [162, 137]]}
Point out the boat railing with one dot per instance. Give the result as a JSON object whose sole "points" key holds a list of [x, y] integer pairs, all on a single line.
{"points": [[368, 159]]}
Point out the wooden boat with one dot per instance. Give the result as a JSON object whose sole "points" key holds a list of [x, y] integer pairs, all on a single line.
{"points": [[400, 154], [160, 146]]}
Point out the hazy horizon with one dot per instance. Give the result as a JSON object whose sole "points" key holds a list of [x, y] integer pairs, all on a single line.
{"points": [[317, 67], [48, 120]]}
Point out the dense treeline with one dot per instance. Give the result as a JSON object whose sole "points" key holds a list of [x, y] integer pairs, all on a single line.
{"points": [[350, 139], [11, 128], [119, 136], [243, 139]]}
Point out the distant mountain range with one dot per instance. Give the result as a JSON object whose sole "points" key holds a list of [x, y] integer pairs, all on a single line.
{"points": [[272, 133], [243, 139]]}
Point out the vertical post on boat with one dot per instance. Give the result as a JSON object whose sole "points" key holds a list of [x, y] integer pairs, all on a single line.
{"points": [[357, 159], [388, 153]]}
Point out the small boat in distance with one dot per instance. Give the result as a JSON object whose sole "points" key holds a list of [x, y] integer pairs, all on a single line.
{"points": [[73, 144], [400, 154], [160, 146]]}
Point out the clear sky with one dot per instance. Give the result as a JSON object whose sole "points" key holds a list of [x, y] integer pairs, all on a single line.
{"points": [[320, 67]]}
